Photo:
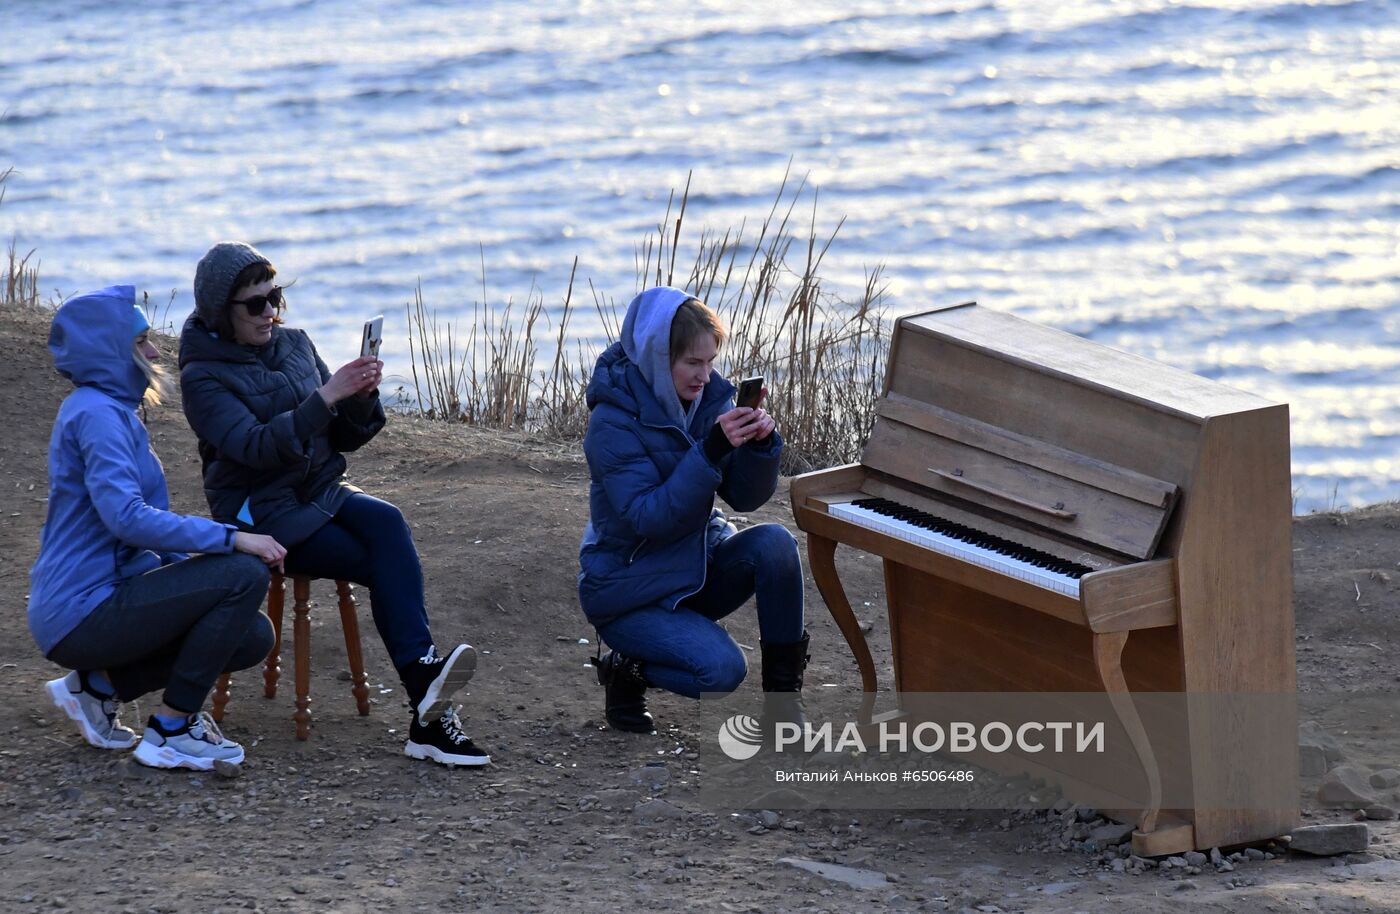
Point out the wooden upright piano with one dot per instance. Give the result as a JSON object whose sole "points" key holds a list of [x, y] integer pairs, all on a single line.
{"points": [[1058, 516]]}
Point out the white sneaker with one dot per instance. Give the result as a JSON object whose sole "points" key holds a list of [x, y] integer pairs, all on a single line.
{"points": [[198, 745], [95, 716]]}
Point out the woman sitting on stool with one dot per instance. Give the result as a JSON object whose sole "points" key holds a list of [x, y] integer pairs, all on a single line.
{"points": [[113, 597], [660, 565], [274, 424]]}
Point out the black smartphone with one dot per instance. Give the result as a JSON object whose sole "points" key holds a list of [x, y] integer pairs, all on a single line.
{"points": [[750, 389]]}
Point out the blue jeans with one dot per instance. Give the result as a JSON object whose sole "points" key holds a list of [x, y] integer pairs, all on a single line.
{"points": [[176, 627], [686, 650], [369, 542]]}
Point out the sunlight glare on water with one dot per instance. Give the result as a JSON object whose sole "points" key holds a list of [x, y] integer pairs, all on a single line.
{"points": [[1215, 185]]}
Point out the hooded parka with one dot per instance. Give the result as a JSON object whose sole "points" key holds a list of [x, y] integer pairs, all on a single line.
{"points": [[652, 519], [271, 447]]}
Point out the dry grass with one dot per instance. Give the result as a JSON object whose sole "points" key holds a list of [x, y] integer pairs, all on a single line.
{"points": [[21, 278], [823, 357]]}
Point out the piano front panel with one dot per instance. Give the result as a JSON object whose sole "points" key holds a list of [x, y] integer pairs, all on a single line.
{"points": [[1021, 489], [1026, 400], [950, 638]]}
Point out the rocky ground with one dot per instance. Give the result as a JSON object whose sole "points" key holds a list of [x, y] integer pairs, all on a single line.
{"points": [[572, 816]]}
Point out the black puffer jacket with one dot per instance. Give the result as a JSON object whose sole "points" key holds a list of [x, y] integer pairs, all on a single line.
{"points": [[271, 447]]}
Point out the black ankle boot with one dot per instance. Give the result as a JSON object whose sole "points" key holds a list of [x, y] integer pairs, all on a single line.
{"points": [[783, 666], [625, 693]]}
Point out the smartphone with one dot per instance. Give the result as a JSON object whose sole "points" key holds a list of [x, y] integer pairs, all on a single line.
{"points": [[373, 334], [750, 389]]}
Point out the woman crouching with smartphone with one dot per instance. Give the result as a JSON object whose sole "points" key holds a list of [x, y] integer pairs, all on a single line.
{"points": [[660, 565], [113, 595], [273, 425]]}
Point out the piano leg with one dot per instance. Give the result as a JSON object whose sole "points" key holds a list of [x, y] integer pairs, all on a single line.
{"points": [[1108, 659], [821, 553]]}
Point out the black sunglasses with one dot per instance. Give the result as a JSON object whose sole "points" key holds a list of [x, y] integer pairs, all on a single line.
{"points": [[258, 303]]}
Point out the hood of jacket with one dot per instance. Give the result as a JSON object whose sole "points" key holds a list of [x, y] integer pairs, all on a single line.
{"points": [[91, 338], [634, 374], [646, 338]]}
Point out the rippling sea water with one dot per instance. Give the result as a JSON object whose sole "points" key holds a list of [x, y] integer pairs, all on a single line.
{"points": [[1213, 184]]}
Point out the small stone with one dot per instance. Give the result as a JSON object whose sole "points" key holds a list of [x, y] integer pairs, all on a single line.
{"points": [[1379, 812], [1311, 733], [769, 819], [1216, 857], [227, 769], [1254, 853], [657, 809], [1347, 786], [1312, 761], [1113, 833], [1329, 840], [1195, 858], [1386, 778], [1185, 885], [849, 875], [1179, 862]]}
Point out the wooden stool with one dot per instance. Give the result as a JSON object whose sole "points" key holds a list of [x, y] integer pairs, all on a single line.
{"points": [[301, 649]]}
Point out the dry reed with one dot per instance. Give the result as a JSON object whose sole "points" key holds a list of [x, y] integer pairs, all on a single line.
{"points": [[21, 278], [823, 357]]}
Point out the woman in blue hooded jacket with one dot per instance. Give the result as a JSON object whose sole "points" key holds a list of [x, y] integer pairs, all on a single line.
{"points": [[660, 565], [113, 595]]}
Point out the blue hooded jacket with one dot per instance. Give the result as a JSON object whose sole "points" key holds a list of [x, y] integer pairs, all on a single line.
{"points": [[651, 499], [108, 512]]}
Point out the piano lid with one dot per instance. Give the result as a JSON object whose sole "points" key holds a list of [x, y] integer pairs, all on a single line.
{"points": [[1015, 341]]}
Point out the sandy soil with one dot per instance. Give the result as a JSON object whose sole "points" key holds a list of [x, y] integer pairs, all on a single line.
{"points": [[571, 817]]}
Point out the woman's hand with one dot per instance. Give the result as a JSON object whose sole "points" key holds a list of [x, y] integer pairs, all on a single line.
{"points": [[264, 547], [360, 376], [743, 424]]}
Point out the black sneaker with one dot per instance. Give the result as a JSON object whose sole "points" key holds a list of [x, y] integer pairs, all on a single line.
{"points": [[443, 741], [431, 681]]}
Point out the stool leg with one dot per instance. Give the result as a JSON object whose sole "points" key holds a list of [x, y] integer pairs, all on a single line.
{"points": [[271, 667], [350, 624], [301, 647], [220, 697]]}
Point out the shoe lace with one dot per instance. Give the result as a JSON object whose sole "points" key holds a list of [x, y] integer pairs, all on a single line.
{"points": [[203, 727], [452, 726], [430, 656], [110, 707]]}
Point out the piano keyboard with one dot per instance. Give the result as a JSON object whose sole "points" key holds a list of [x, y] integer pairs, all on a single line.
{"points": [[964, 543]]}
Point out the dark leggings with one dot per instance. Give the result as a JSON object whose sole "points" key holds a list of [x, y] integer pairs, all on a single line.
{"points": [[178, 626], [685, 650], [368, 542]]}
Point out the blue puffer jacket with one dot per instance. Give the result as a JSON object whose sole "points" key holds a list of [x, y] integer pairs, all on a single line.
{"points": [[271, 448], [109, 515], [653, 488]]}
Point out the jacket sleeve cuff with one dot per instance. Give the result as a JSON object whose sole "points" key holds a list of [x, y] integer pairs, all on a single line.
{"points": [[717, 446], [311, 416], [767, 446]]}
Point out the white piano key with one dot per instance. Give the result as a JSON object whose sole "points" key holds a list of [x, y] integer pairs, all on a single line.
{"points": [[967, 552]]}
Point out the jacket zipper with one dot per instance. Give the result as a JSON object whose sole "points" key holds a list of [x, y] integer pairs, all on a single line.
{"points": [[704, 551]]}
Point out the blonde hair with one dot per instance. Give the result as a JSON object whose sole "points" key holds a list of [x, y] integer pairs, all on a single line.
{"points": [[692, 320], [157, 384]]}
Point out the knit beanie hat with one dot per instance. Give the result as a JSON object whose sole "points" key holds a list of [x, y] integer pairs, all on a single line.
{"points": [[213, 278]]}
